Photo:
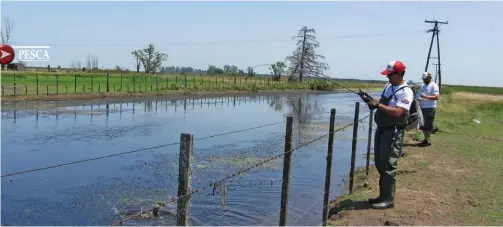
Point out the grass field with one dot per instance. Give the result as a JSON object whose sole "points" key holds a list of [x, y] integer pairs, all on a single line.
{"points": [[474, 89], [30, 83], [456, 181]]}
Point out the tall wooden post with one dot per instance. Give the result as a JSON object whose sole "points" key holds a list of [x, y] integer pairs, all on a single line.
{"points": [[369, 142], [353, 150], [287, 164], [331, 132], [186, 160]]}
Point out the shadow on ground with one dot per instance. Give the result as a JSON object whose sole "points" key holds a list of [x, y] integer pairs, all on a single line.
{"points": [[349, 204]]}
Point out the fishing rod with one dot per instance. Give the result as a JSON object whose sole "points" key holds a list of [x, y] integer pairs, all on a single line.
{"points": [[360, 92], [365, 97]]}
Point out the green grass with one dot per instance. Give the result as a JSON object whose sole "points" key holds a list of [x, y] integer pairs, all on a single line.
{"points": [[484, 149], [464, 144], [41, 83], [447, 89]]}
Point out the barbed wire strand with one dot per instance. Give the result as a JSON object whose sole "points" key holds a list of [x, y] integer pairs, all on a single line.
{"points": [[139, 150], [242, 204], [244, 170], [134, 151], [310, 208]]}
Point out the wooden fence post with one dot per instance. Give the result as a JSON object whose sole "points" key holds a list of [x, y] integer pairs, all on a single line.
{"points": [[108, 82], [287, 164], [369, 144], [36, 75], [75, 83], [57, 84], [14, 84], [329, 165], [186, 160], [353, 150]]}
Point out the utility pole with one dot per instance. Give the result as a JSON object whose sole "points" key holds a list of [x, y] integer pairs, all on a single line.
{"points": [[435, 32], [436, 72]]}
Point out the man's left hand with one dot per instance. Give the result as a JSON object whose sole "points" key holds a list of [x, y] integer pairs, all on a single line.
{"points": [[423, 96]]}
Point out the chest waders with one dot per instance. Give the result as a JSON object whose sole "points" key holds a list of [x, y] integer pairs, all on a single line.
{"points": [[388, 141]]}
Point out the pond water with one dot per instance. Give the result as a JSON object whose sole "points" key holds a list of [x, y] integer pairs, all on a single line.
{"points": [[99, 191]]}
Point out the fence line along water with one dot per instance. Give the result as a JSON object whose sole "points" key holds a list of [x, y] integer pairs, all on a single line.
{"points": [[27, 83], [186, 161], [60, 84]]}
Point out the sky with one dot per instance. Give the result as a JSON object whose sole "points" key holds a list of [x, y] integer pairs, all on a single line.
{"points": [[358, 39]]}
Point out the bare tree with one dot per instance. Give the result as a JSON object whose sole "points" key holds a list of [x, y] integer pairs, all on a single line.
{"points": [[92, 62], [6, 31], [95, 62], [304, 60], [89, 62]]}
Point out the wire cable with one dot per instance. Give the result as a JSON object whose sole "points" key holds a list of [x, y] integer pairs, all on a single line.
{"points": [[133, 151], [272, 40], [244, 170]]}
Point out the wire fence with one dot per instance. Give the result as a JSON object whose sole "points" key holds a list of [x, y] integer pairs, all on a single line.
{"points": [[28, 83], [186, 163]]}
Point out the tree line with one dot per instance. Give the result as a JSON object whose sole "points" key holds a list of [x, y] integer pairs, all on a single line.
{"points": [[303, 61]]}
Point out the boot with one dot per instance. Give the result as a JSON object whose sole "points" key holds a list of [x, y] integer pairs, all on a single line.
{"points": [[378, 198], [389, 201]]}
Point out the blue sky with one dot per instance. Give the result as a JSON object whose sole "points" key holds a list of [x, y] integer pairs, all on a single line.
{"points": [[198, 34]]}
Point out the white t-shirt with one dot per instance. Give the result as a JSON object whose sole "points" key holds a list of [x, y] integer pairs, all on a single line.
{"points": [[404, 96], [430, 90]]}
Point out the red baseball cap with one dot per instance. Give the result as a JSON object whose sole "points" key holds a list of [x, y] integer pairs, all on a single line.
{"points": [[394, 67]]}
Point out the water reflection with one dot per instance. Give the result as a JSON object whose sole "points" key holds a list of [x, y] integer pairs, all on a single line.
{"points": [[11, 111], [59, 132]]}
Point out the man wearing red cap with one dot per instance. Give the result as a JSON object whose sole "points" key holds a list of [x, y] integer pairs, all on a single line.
{"points": [[391, 117]]}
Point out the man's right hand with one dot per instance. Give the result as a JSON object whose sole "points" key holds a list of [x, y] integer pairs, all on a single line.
{"points": [[372, 105]]}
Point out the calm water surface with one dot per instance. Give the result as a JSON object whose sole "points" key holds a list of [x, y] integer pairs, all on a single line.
{"points": [[99, 191]]}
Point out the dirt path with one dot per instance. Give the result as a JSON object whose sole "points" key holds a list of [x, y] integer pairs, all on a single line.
{"points": [[456, 181], [476, 96], [422, 197]]}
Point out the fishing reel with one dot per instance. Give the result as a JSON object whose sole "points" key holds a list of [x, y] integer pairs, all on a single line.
{"points": [[366, 98]]}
